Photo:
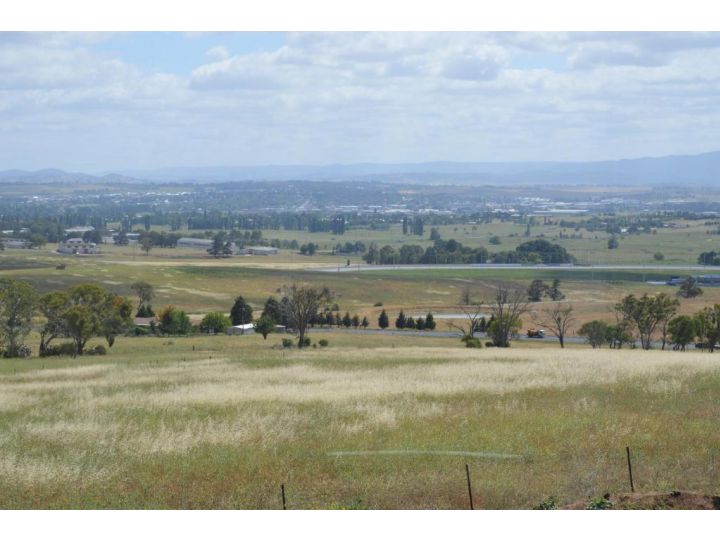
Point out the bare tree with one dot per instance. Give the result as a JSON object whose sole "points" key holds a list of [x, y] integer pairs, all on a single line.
{"points": [[473, 315], [302, 306], [466, 296], [557, 320], [507, 308]]}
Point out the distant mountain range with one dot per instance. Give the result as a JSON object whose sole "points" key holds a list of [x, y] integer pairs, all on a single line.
{"points": [[703, 169]]}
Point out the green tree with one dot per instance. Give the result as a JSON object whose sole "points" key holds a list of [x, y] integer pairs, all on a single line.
{"points": [[430, 321], [613, 243], [708, 323], [146, 244], [689, 288], [265, 325], [355, 321], [53, 306], [620, 333], [221, 246], [554, 291], [401, 320], [383, 321], [682, 331], [272, 309], [37, 241], [214, 322], [347, 320], [595, 333], [666, 308], [536, 290], [507, 308], [646, 314], [365, 323], [241, 312], [93, 312], [174, 321], [116, 317], [303, 304], [18, 303], [145, 293]]}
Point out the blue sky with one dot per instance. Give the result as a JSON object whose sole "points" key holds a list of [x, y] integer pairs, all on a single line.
{"points": [[179, 52], [99, 102]]}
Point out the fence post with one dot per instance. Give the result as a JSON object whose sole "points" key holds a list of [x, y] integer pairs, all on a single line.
{"points": [[629, 464], [467, 474], [282, 492]]}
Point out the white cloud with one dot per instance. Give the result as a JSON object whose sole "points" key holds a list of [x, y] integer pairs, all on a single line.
{"points": [[360, 97], [218, 52]]}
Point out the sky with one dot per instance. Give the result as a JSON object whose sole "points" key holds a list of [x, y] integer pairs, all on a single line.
{"points": [[99, 102]]}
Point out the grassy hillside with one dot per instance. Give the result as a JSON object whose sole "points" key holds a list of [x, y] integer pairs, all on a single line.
{"points": [[221, 422]]}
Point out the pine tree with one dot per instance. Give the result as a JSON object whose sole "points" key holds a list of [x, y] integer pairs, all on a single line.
{"points": [[365, 323], [401, 320], [346, 320], [430, 322], [383, 321], [241, 312]]}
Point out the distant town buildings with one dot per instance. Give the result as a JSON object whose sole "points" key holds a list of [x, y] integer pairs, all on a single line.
{"points": [[205, 244], [15, 243], [77, 246]]}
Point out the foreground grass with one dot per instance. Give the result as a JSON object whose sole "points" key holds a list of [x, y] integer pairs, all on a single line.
{"points": [[222, 422]]}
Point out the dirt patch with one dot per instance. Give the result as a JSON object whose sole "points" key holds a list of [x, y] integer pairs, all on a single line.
{"points": [[673, 500]]}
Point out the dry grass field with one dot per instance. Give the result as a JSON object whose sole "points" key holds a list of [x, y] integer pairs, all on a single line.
{"points": [[221, 422]]}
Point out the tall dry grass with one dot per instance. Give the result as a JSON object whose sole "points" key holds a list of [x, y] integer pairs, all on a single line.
{"points": [[95, 426]]}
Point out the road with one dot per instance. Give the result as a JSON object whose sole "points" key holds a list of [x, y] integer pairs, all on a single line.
{"points": [[564, 267]]}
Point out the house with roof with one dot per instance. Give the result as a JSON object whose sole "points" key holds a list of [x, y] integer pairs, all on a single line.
{"points": [[77, 246]]}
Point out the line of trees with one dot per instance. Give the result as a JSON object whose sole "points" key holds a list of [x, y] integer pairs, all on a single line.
{"points": [[648, 318], [81, 313], [420, 323], [453, 252]]}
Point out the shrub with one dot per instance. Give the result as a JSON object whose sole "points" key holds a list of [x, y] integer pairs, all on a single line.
{"points": [[98, 350], [287, 343], [63, 349], [323, 342], [377, 304], [473, 343], [214, 323], [306, 342], [548, 504], [23, 351], [600, 503], [489, 344]]}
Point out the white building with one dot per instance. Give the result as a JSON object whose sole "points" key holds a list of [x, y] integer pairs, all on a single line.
{"points": [[77, 246], [201, 243], [241, 329], [194, 243], [14, 243], [79, 230]]}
